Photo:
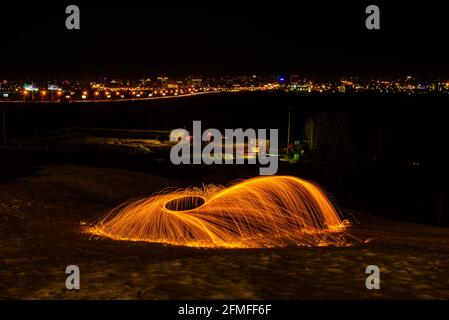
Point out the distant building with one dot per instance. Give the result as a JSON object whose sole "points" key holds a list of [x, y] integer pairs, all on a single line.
{"points": [[145, 82], [162, 82], [295, 80], [342, 89], [195, 82]]}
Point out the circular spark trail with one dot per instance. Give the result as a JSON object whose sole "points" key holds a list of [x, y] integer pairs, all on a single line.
{"points": [[259, 212]]}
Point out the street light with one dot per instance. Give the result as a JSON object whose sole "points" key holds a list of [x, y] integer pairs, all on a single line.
{"points": [[43, 94]]}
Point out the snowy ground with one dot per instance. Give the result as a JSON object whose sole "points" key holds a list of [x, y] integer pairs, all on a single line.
{"points": [[40, 235]]}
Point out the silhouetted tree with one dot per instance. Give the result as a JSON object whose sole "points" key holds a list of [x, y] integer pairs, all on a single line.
{"points": [[326, 128], [314, 133]]}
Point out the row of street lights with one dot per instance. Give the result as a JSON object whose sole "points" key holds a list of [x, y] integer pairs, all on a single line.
{"points": [[42, 93]]}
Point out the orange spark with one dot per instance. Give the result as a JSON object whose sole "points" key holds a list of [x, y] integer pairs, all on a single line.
{"points": [[259, 212]]}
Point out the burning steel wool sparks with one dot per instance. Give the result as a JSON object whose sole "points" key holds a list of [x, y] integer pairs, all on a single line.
{"points": [[259, 212]]}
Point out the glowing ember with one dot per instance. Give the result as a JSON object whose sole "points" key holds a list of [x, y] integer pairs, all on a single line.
{"points": [[260, 212]]}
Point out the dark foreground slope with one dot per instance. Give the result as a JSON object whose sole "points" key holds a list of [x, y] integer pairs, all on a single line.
{"points": [[40, 235]]}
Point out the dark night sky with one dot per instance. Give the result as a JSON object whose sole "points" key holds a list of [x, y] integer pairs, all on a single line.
{"points": [[139, 39]]}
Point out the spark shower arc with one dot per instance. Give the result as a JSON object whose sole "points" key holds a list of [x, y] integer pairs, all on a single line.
{"points": [[260, 212]]}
